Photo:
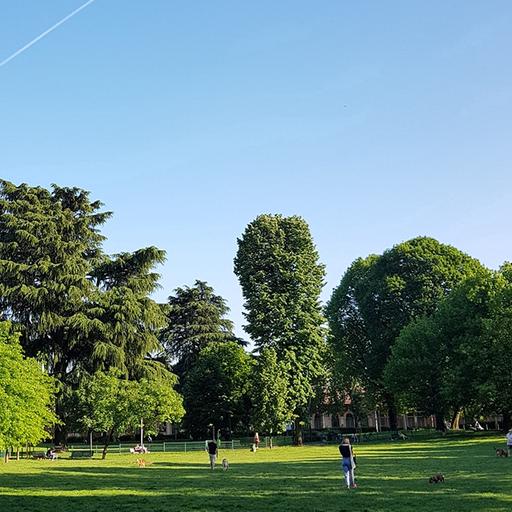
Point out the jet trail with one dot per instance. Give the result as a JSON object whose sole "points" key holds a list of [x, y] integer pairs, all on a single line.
{"points": [[45, 33]]}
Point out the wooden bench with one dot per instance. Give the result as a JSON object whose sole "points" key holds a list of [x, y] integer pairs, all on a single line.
{"points": [[82, 454]]}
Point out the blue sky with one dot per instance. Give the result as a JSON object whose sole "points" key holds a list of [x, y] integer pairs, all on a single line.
{"points": [[375, 121]]}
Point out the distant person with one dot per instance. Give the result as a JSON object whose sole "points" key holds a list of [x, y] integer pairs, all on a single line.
{"points": [[51, 454], [138, 449], [509, 442], [212, 452], [256, 440], [347, 463]]}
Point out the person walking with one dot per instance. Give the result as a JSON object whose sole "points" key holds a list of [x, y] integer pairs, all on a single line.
{"points": [[213, 450], [509, 442], [347, 462]]}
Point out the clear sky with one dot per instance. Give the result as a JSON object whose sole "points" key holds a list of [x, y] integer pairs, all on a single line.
{"points": [[375, 121]]}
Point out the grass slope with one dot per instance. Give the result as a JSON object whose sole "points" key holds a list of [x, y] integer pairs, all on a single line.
{"points": [[391, 477]]}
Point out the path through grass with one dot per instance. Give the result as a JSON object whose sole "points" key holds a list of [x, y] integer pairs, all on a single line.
{"points": [[391, 477]]}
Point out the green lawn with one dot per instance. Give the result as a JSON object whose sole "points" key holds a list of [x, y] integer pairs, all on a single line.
{"points": [[391, 477]]}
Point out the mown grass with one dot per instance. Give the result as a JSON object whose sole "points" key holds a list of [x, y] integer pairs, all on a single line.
{"points": [[391, 477]]}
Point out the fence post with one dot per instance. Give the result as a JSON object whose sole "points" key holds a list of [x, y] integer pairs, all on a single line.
{"points": [[164, 446], [119, 448], [185, 447]]}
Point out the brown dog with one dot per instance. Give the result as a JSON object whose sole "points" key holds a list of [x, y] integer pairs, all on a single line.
{"points": [[142, 463], [436, 479]]}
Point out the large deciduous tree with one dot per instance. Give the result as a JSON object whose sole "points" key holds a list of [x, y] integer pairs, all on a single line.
{"points": [[494, 360], [281, 279], [216, 390], [452, 360], [271, 408], [380, 295], [26, 395], [107, 402]]}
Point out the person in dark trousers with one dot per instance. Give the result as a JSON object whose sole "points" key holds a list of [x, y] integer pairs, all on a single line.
{"points": [[347, 462], [212, 452]]}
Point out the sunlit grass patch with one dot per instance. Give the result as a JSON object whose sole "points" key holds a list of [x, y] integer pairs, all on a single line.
{"points": [[391, 477]]}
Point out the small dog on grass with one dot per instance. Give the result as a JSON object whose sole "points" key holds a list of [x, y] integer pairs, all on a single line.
{"points": [[225, 464], [142, 463], [500, 452], [436, 479]]}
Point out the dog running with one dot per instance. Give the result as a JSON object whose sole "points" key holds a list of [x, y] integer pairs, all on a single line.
{"points": [[225, 464], [142, 463], [436, 479]]}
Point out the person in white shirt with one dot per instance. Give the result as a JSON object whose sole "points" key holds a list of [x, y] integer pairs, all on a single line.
{"points": [[509, 442]]}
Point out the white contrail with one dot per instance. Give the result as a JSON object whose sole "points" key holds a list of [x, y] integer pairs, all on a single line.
{"points": [[45, 33]]}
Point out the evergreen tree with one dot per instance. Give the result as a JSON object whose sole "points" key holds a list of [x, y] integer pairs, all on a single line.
{"points": [[49, 244], [127, 321], [195, 319], [78, 310]]}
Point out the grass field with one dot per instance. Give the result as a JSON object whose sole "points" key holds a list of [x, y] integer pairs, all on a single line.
{"points": [[391, 477]]}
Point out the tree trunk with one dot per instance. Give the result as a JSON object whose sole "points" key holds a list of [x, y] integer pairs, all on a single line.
{"points": [[440, 426], [17, 453], [455, 423], [6, 455], [105, 447], [392, 414], [507, 421], [60, 431], [59, 435], [270, 442], [298, 441]]}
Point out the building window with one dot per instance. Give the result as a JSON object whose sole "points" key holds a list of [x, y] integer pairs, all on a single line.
{"points": [[335, 421]]}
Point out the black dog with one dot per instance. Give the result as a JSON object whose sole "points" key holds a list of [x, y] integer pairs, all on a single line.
{"points": [[436, 479], [500, 452]]}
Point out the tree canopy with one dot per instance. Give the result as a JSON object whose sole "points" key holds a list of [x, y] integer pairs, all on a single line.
{"points": [[107, 402], [281, 279], [216, 390], [26, 395], [195, 318], [380, 295], [272, 409]]}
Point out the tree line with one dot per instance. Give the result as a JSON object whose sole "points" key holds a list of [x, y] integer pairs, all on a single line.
{"points": [[421, 327]]}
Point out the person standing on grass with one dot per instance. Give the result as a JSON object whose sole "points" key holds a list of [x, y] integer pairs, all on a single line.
{"points": [[212, 452], [509, 442], [256, 440], [347, 462]]}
